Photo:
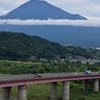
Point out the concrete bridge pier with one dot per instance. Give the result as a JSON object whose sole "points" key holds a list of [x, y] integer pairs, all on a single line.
{"points": [[6, 93], [96, 85], [85, 84], [22, 94], [65, 92], [53, 91]]}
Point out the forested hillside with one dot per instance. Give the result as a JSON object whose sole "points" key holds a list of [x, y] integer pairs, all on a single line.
{"points": [[19, 46]]}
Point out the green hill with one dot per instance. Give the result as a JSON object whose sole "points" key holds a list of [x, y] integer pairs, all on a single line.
{"points": [[19, 46]]}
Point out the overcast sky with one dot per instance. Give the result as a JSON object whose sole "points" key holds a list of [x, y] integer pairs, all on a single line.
{"points": [[82, 7], [87, 8]]}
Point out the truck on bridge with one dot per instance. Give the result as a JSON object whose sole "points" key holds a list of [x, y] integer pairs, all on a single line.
{"points": [[88, 72]]}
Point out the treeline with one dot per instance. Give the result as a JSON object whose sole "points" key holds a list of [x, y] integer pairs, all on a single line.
{"points": [[7, 67], [19, 46]]}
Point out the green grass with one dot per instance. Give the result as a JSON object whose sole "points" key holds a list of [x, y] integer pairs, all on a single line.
{"points": [[37, 91], [19, 62], [84, 95]]}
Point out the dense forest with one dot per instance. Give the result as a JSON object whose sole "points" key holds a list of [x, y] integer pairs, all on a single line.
{"points": [[19, 46]]}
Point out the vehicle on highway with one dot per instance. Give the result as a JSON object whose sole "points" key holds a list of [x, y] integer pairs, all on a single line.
{"points": [[88, 72], [37, 75], [75, 73], [98, 72]]}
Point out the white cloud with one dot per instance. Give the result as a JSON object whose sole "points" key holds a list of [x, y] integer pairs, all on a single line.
{"points": [[8, 5], [12, 2], [93, 22], [3, 11]]}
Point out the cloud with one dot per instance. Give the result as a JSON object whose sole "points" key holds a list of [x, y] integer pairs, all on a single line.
{"points": [[3, 11], [91, 22], [13, 2], [8, 5]]}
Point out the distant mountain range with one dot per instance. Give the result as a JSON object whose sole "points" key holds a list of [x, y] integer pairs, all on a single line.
{"points": [[40, 9]]}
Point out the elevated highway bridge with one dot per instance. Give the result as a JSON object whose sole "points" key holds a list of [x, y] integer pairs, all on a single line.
{"points": [[22, 80]]}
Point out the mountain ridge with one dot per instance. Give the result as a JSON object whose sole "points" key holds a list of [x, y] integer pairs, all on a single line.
{"points": [[40, 9]]}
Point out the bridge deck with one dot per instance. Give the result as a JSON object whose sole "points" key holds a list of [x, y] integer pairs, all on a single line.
{"points": [[24, 79]]}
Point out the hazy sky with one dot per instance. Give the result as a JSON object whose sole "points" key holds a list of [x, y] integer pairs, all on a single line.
{"points": [[85, 8]]}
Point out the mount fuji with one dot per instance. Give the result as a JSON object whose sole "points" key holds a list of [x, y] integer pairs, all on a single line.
{"points": [[40, 9]]}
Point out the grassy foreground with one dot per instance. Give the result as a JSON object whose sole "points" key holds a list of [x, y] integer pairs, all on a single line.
{"points": [[42, 91]]}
